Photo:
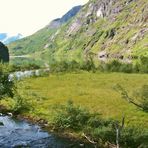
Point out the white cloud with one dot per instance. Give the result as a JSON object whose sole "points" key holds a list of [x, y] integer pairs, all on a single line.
{"points": [[28, 16]]}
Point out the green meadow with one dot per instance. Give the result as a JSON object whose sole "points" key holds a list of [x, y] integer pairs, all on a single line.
{"points": [[94, 91]]}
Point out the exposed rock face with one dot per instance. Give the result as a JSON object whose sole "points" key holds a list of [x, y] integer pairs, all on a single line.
{"points": [[4, 54], [59, 21]]}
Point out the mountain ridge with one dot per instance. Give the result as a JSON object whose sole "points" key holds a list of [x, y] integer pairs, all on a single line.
{"points": [[106, 29]]}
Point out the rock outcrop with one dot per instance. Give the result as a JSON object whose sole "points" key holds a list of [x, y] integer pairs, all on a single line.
{"points": [[4, 54]]}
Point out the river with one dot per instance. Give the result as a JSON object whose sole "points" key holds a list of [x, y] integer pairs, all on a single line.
{"points": [[21, 134]]}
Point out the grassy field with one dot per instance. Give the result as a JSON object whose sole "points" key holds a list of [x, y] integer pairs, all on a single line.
{"points": [[94, 91]]}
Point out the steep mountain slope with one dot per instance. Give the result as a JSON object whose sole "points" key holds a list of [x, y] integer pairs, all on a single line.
{"points": [[6, 38], [37, 41], [105, 29]]}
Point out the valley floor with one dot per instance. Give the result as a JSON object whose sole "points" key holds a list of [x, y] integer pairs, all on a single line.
{"points": [[93, 91]]}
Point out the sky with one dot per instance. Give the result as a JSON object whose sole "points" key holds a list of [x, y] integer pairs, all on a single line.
{"points": [[28, 16]]}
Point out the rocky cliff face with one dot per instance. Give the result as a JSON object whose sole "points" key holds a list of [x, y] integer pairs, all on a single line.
{"points": [[4, 55], [106, 29], [116, 28]]}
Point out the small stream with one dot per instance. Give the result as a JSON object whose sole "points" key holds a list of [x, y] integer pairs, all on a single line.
{"points": [[20, 134]]}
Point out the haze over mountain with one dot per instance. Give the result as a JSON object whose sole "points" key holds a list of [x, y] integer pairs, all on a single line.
{"points": [[105, 29], [8, 38]]}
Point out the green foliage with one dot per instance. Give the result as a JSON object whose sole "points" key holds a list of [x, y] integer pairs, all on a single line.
{"points": [[20, 105], [75, 117], [141, 95], [71, 116], [7, 88], [143, 65], [64, 66], [132, 137], [100, 130], [117, 66], [67, 66], [29, 66]]}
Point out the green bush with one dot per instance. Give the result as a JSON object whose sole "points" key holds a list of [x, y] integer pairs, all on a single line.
{"points": [[88, 65], [143, 66], [20, 105], [67, 66], [7, 88], [70, 116], [132, 137], [116, 66]]}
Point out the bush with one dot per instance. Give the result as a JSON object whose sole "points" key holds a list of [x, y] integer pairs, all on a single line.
{"points": [[116, 66], [67, 66], [70, 116], [143, 64], [20, 105], [7, 88], [88, 66], [133, 137]]}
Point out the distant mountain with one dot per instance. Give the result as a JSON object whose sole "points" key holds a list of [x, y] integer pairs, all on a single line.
{"points": [[6, 38]]}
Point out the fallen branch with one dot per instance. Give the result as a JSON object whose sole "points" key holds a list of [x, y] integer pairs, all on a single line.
{"points": [[91, 141]]}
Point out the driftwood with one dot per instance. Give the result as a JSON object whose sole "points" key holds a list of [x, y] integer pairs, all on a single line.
{"points": [[110, 145], [89, 140]]}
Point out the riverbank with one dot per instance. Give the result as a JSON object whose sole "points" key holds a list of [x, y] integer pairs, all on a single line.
{"points": [[65, 134]]}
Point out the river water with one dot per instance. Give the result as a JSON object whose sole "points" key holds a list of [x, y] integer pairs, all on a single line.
{"points": [[20, 134]]}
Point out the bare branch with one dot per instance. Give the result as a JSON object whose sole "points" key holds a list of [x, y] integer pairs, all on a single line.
{"points": [[91, 141]]}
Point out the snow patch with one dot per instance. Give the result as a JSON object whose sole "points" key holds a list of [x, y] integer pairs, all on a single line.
{"points": [[99, 12]]}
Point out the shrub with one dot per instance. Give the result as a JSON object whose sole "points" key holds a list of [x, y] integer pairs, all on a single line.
{"points": [[20, 105], [116, 66], [143, 66], [70, 116], [132, 137], [7, 88]]}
